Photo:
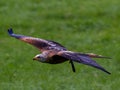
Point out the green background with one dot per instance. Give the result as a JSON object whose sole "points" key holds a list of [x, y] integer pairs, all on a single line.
{"points": [[80, 25]]}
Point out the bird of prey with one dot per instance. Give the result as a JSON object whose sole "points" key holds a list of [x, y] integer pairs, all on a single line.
{"points": [[54, 53]]}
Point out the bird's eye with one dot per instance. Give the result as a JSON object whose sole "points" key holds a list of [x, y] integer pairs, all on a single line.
{"points": [[38, 57]]}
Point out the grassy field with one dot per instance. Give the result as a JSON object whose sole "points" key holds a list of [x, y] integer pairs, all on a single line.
{"points": [[80, 25]]}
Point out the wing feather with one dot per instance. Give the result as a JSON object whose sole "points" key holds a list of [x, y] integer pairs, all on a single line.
{"points": [[80, 58], [41, 44]]}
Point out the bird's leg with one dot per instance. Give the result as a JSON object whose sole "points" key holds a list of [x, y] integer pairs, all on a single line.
{"points": [[73, 67]]}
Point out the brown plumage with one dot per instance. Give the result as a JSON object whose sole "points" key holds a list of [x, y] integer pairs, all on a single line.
{"points": [[55, 53]]}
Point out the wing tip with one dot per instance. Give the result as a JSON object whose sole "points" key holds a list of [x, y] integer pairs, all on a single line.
{"points": [[107, 72], [101, 68], [10, 31]]}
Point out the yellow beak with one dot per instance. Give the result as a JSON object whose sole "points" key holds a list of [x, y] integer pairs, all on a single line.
{"points": [[35, 58]]}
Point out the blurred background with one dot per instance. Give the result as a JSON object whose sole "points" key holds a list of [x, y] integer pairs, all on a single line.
{"points": [[80, 25]]}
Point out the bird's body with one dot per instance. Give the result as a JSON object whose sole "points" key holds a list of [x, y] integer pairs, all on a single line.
{"points": [[55, 53]]}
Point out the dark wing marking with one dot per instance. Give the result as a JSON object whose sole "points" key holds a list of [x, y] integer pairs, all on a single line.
{"points": [[81, 59], [41, 44], [57, 45]]}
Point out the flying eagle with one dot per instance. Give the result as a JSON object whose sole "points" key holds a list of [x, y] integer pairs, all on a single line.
{"points": [[54, 53]]}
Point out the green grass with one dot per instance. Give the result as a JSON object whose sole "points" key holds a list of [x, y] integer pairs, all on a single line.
{"points": [[80, 25]]}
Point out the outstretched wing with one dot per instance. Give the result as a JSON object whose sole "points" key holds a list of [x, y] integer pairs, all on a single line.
{"points": [[41, 44], [81, 58]]}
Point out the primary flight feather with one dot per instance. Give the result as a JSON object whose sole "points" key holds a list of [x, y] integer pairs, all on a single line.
{"points": [[54, 53]]}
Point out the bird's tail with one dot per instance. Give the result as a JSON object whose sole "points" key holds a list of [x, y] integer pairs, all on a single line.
{"points": [[92, 55]]}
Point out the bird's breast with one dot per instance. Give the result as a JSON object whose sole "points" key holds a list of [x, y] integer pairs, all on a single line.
{"points": [[56, 60]]}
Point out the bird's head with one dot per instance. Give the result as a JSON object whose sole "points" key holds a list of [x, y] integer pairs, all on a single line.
{"points": [[40, 57]]}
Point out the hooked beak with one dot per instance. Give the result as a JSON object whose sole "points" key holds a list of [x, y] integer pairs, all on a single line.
{"points": [[34, 58]]}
